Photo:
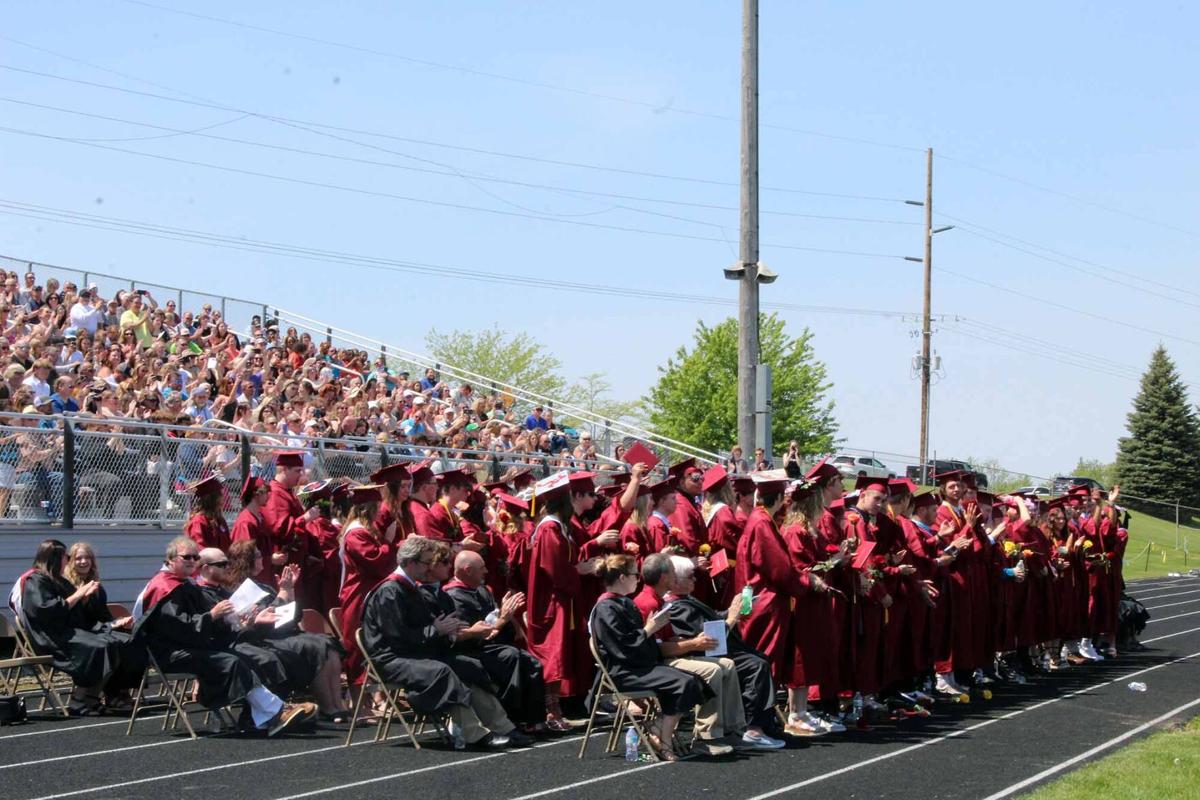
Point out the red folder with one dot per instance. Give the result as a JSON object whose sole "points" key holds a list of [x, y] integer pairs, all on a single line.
{"points": [[862, 554], [640, 454], [718, 563]]}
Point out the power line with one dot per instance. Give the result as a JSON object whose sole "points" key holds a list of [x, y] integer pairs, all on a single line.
{"points": [[656, 107], [1044, 301], [1040, 354], [1074, 198], [445, 145], [152, 230], [1133, 275], [436, 203], [1042, 343], [450, 171]]}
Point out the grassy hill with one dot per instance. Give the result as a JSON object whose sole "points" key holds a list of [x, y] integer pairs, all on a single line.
{"points": [[1159, 535]]}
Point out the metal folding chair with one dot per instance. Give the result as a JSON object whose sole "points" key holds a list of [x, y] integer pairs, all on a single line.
{"points": [[335, 621], [607, 686], [175, 691], [393, 696], [313, 622], [26, 659]]}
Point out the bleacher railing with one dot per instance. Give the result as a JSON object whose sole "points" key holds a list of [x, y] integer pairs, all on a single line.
{"points": [[73, 470]]}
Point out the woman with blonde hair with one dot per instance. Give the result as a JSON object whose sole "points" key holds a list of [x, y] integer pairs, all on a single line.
{"points": [[368, 556]]}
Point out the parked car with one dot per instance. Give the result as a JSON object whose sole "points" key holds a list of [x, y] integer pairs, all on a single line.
{"points": [[938, 466], [862, 466], [1064, 484], [1036, 491]]}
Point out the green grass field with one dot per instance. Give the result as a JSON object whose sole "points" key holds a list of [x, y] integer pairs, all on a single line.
{"points": [[1163, 766], [1163, 557]]}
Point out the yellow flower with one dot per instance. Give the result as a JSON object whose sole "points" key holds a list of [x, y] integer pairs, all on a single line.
{"points": [[1087, 544], [705, 550], [1010, 548]]}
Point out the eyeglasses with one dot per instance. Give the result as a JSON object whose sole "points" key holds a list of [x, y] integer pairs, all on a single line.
{"points": [[189, 557]]}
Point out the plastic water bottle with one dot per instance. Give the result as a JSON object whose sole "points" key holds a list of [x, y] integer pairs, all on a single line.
{"points": [[631, 745], [747, 600], [1137, 686]]}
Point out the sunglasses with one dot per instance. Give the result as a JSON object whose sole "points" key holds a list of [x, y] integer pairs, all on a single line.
{"points": [[190, 557], [217, 564]]}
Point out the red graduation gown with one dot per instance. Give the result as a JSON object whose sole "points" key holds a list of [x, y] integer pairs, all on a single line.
{"points": [[327, 582], [555, 609], [367, 561], [420, 516], [440, 523], [724, 530], [207, 533], [815, 658], [869, 618], [690, 522], [658, 534], [283, 517], [249, 527], [958, 649], [763, 562]]}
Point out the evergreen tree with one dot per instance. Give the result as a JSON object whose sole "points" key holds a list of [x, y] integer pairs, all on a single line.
{"points": [[1160, 458]]}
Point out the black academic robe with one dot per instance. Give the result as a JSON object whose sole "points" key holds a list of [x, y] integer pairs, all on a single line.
{"points": [[632, 657], [88, 650], [398, 633], [184, 638], [516, 673], [688, 616]]}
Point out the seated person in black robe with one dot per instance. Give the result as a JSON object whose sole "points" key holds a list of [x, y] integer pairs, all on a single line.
{"points": [[62, 622], [631, 655], [302, 661], [412, 646], [188, 633], [491, 635], [688, 616]]}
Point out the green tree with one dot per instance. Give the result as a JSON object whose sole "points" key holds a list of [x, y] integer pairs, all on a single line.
{"points": [[592, 393], [1158, 459], [1000, 480], [1096, 470], [695, 399], [514, 360]]}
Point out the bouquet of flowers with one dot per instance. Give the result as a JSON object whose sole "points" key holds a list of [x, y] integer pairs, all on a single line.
{"points": [[833, 559]]}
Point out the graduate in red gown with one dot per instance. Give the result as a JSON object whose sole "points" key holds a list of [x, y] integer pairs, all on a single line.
{"points": [[325, 577], [635, 539], [723, 532], [1101, 528], [958, 650], [929, 621], [765, 565], [557, 597], [660, 533], [284, 518], [207, 527], [394, 512], [422, 496], [368, 556], [743, 495], [249, 527], [443, 522], [691, 531], [914, 594]]}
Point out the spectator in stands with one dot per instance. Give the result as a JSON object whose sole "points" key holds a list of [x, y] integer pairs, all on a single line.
{"points": [[88, 313], [14, 378], [38, 380], [136, 316], [736, 463], [430, 381], [536, 420], [762, 460], [63, 399]]}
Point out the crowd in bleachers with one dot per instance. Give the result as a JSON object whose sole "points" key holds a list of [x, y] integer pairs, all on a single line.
{"points": [[115, 361]]}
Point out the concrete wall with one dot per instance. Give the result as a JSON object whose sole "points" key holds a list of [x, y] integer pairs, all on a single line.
{"points": [[128, 557]]}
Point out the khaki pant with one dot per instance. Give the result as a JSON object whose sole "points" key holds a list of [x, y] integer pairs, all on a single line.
{"points": [[484, 715], [724, 713]]}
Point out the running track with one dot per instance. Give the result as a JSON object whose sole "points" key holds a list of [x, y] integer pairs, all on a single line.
{"points": [[1024, 736]]}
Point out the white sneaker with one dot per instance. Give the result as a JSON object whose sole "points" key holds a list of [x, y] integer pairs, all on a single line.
{"points": [[760, 741], [1088, 651], [827, 722], [947, 685]]}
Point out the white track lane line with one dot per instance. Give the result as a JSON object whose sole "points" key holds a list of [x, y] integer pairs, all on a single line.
{"points": [[1169, 605], [1170, 635], [379, 779], [1070, 762], [96, 753], [72, 728], [1161, 596], [1174, 616], [1139, 586], [885, 756]]}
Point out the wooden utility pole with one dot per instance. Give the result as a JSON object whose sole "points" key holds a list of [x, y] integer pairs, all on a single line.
{"points": [[748, 345], [926, 332]]}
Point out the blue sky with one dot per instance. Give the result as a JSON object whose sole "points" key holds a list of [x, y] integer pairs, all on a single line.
{"points": [[1093, 101]]}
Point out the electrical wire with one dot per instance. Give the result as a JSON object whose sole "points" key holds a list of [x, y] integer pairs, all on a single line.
{"points": [[462, 148], [1044, 355], [435, 203], [140, 228]]}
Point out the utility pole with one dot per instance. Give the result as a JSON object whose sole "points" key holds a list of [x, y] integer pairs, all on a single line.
{"points": [[748, 347], [926, 333]]}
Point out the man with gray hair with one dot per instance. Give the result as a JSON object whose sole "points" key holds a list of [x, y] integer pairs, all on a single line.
{"points": [[688, 616], [413, 648], [722, 714]]}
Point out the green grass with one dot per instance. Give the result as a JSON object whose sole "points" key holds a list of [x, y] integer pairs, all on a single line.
{"points": [[1160, 535], [1163, 766]]}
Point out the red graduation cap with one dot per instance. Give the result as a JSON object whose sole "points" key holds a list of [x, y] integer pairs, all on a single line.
{"points": [[318, 490], [942, 478], [1057, 502], [455, 477], [512, 504], [743, 486], [772, 485], [289, 458], [392, 473], [1083, 490], [718, 563], [495, 487], [421, 474], [640, 454], [662, 489], [610, 490], [582, 482], [342, 490], [970, 479], [901, 486], [714, 478], [522, 479], [927, 500], [866, 482], [367, 493], [206, 486], [250, 487], [681, 469], [822, 470]]}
